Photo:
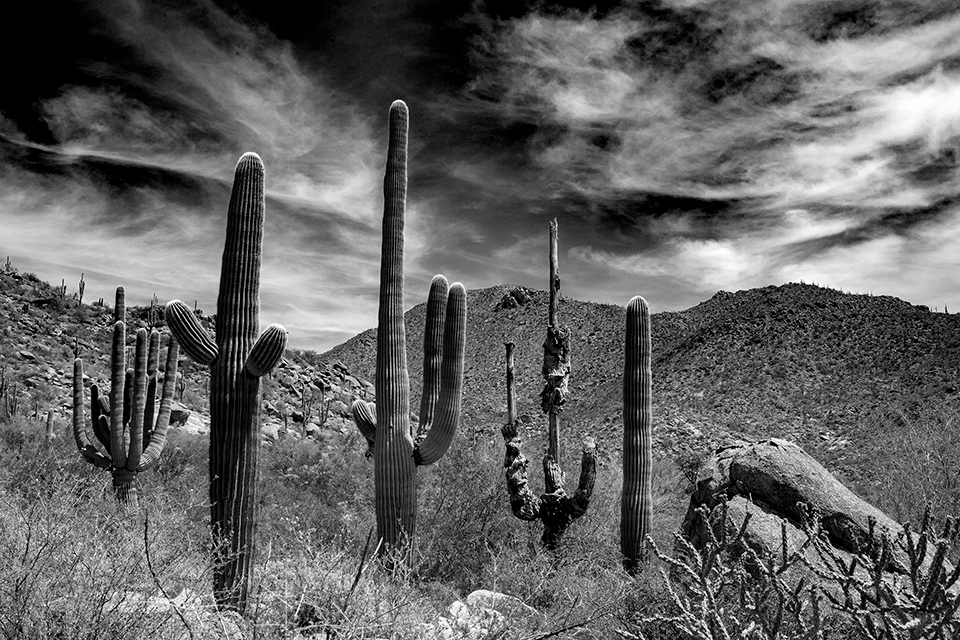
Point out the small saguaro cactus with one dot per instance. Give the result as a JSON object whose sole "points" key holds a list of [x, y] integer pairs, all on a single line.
{"points": [[124, 425], [397, 451], [555, 507], [636, 500], [237, 360]]}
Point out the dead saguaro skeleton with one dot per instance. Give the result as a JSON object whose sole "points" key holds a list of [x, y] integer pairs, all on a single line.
{"points": [[554, 507]]}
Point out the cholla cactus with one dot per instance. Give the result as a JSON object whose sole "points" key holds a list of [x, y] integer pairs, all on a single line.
{"points": [[124, 425], [397, 451], [237, 361], [636, 501]]}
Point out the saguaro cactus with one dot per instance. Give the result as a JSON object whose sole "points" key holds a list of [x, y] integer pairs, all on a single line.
{"points": [[397, 451], [554, 507], [124, 425], [237, 361], [636, 501]]}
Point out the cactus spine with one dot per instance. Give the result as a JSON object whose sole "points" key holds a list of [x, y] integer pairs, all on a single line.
{"points": [[237, 361], [396, 450], [636, 501], [124, 425]]}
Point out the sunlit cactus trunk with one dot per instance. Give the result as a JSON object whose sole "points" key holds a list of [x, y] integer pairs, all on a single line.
{"points": [[237, 361], [636, 502], [396, 450], [394, 473]]}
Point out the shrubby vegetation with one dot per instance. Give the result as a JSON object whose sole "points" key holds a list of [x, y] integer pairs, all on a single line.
{"points": [[76, 566]]}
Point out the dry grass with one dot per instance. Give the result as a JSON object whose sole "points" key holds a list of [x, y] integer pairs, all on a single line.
{"points": [[75, 566]]}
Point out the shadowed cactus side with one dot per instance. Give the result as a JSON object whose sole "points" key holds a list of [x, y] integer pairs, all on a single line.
{"points": [[237, 361], [124, 425], [397, 451], [636, 500]]}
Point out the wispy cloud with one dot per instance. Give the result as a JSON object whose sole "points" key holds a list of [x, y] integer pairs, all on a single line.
{"points": [[800, 120], [203, 87]]}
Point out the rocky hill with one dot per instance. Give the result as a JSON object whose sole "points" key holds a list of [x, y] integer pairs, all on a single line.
{"points": [[44, 328], [815, 365], [796, 361]]}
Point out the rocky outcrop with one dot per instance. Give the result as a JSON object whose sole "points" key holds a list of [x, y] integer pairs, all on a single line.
{"points": [[788, 494]]}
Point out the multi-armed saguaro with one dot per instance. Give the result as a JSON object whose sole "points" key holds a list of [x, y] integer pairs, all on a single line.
{"points": [[237, 361], [636, 502], [124, 425], [554, 507], [396, 449]]}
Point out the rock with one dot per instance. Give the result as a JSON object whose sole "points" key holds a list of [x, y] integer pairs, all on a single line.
{"points": [[196, 425], [26, 355], [464, 622], [270, 431], [771, 480], [509, 606], [179, 414]]}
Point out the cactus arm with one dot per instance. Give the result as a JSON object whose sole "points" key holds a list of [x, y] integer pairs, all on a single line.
{"points": [[153, 353], [588, 476], [96, 410], [127, 406], [86, 449], [153, 361], [192, 337], [523, 502], [447, 416], [159, 436], [149, 409], [365, 416], [138, 403], [267, 352], [636, 502], [117, 379], [432, 350]]}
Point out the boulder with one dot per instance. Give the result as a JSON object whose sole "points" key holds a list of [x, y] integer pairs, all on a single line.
{"points": [[787, 493], [196, 425], [509, 606], [179, 414], [270, 431]]}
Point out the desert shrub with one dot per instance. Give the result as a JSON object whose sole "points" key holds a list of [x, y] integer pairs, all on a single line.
{"points": [[908, 457]]}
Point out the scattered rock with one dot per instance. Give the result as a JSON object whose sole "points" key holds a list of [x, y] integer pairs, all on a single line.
{"points": [[179, 414], [507, 605]]}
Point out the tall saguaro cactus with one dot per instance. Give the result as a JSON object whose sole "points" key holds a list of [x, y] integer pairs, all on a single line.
{"points": [[124, 425], [554, 507], [636, 500], [237, 360], [397, 451]]}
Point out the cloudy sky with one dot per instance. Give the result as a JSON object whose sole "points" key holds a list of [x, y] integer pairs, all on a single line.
{"points": [[686, 146]]}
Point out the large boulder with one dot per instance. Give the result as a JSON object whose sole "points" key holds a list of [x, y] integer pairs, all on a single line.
{"points": [[788, 494]]}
